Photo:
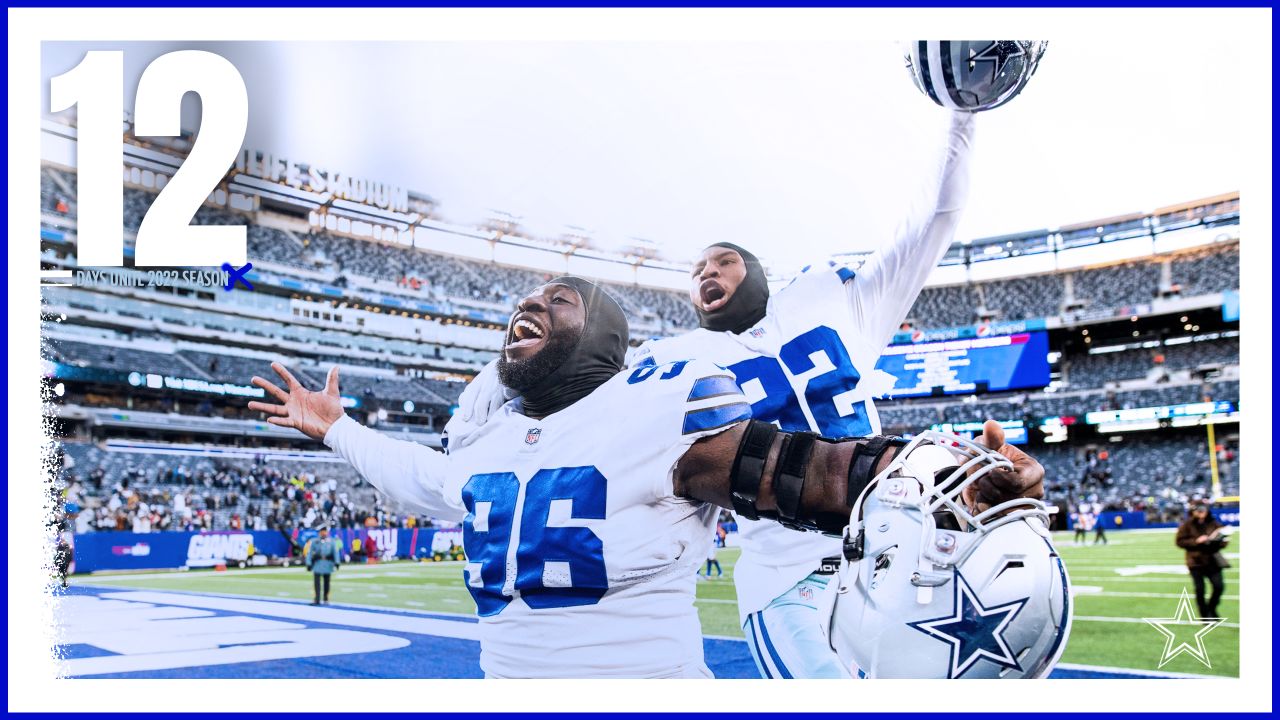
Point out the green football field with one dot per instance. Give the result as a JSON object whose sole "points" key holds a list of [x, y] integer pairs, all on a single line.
{"points": [[1138, 575]]}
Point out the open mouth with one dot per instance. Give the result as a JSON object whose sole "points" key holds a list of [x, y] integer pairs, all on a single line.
{"points": [[713, 296], [526, 332]]}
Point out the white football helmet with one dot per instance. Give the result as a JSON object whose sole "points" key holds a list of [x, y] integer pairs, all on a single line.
{"points": [[928, 589]]}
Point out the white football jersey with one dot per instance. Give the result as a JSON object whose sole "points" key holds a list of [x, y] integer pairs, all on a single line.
{"points": [[580, 557], [809, 364]]}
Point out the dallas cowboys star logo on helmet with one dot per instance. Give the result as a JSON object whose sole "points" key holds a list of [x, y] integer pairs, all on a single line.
{"points": [[973, 630], [998, 53]]}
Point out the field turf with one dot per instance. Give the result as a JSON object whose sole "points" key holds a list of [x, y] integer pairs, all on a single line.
{"points": [[1138, 575]]}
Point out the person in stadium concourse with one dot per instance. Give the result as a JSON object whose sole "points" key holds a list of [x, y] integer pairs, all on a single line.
{"points": [[1201, 535], [322, 559]]}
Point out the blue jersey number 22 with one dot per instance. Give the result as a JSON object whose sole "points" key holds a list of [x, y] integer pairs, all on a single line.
{"points": [[780, 403], [555, 566]]}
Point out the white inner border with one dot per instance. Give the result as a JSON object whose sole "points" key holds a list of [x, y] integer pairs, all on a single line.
{"points": [[31, 683]]}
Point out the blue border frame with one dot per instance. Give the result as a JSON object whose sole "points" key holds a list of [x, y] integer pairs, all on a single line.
{"points": [[807, 4], [725, 4]]}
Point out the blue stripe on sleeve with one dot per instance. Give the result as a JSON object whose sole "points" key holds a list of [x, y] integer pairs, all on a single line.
{"points": [[715, 417], [713, 386], [845, 274]]}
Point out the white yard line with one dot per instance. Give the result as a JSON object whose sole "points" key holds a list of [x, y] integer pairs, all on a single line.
{"points": [[1142, 595], [1108, 618], [1175, 579], [383, 620], [356, 606], [1136, 672]]}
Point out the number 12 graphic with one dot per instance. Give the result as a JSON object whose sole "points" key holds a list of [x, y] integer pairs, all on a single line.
{"points": [[166, 237]]}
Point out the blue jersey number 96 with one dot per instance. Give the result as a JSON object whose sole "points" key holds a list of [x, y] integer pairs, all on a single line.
{"points": [[556, 566]]}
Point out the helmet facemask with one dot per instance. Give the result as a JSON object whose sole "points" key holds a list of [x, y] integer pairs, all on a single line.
{"points": [[930, 476]]}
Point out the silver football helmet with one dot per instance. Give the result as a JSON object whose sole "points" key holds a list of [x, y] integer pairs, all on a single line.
{"points": [[930, 589], [973, 75]]}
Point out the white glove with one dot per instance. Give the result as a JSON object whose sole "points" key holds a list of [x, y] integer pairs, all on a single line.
{"points": [[482, 397]]}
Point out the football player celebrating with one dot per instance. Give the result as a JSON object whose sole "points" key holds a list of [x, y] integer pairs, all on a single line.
{"points": [[806, 359], [587, 504]]}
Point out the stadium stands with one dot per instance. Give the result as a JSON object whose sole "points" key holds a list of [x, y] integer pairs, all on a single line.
{"points": [[1094, 370], [112, 357], [1133, 474], [229, 338], [1207, 270], [1118, 285], [911, 415], [1023, 298], [437, 276], [112, 486], [945, 306], [52, 198]]}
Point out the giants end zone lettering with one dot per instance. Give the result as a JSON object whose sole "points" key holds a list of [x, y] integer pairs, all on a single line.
{"points": [[204, 550]]}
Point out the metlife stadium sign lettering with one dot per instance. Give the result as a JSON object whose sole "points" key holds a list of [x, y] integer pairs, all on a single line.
{"points": [[301, 176]]}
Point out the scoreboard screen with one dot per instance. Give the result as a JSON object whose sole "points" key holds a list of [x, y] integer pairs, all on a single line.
{"points": [[1015, 431], [971, 365]]}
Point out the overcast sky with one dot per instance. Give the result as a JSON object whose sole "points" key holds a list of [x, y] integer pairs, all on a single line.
{"points": [[792, 149]]}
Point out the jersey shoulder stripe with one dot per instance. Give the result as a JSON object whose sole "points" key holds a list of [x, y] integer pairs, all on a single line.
{"points": [[844, 272], [712, 387], [711, 418]]}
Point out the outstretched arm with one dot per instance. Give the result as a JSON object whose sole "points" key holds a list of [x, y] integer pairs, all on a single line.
{"points": [[886, 286], [405, 471], [704, 473]]}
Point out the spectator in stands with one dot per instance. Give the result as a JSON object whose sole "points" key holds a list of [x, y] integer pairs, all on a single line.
{"points": [[1202, 537], [323, 555], [142, 518], [84, 521]]}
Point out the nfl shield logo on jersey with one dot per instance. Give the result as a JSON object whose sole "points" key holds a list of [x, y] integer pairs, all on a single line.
{"points": [[531, 437], [757, 332]]}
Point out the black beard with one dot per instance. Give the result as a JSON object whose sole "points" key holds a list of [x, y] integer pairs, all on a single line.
{"points": [[527, 374]]}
